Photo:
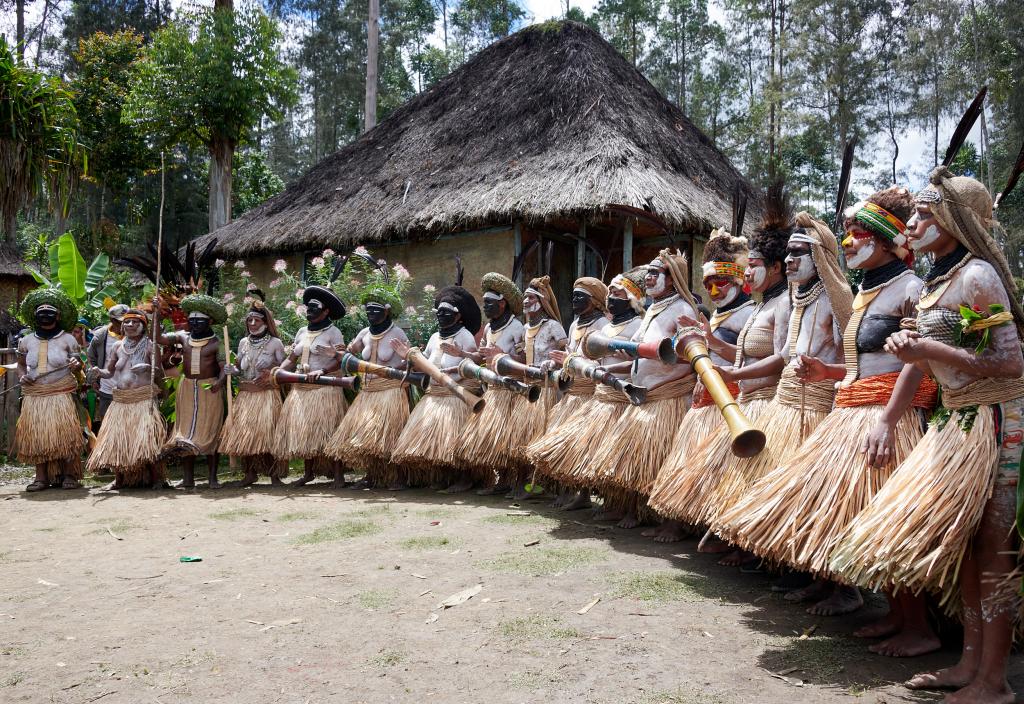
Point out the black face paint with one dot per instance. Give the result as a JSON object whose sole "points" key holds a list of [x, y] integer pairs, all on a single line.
{"points": [[376, 313], [619, 306], [199, 327], [492, 307], [581, 302], [45, 318], [446, 318], [314, 309]]}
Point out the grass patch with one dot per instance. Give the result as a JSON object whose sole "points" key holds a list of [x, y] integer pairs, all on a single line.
{"points": [[440, 512], [118, 527], [234, 514], [343, 530], [429, 542], [655, 586], [371, 511], [13, 679], [539, 562], [534, 519], [388, 658], [536, 627], [375, 599], [817, 658], [680, 696], [296, 516], [530, 679]]}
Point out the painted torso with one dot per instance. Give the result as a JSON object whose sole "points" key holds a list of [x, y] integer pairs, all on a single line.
{"points": [[377, 348], [895, 300], [130, 354], [541, 339], [768, 328], [659, 323], [463, 339], [320, 347], [727, 327], [59, 349], [253, 359], [578, 331], [622, 331], [508, 338]]}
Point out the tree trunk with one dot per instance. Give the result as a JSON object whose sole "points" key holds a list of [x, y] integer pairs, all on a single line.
{"points": [[19, 35], [372, 37], [11, 227], [222, 151]]}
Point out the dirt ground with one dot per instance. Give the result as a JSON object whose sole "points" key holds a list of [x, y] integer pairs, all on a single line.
{"points": [[313, 595]]}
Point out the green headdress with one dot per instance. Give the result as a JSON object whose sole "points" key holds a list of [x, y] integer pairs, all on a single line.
{"points": [[54, 297], [500, 283], [207, 305], [384, 296]]}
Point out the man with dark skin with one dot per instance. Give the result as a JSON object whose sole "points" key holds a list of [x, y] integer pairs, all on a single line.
{"points": [[197, 428], [48, 434], [98, 353]]}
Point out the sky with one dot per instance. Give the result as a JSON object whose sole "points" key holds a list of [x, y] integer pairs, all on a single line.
{"points": [[915, 143]]}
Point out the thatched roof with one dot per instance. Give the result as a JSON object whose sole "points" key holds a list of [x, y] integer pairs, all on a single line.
{"points": [[550, 121], [11, 263]]}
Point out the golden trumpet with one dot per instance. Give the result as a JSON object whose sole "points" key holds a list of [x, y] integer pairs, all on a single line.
{"points": [[416, 359], [747, 440]]}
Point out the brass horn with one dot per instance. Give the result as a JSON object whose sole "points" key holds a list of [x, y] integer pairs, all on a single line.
{"points": [[416, 359], [469, 369], [282, 377], [579, 366], [596, 345], [352, 364], [506, 366], [747, 440]]}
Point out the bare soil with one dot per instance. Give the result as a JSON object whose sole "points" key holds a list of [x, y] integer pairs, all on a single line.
{"points": [[315, 595]]}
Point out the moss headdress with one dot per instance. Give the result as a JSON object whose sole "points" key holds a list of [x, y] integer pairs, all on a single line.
{"points": [[207, 305], [384, 296], [54, 297], [509, 291]]}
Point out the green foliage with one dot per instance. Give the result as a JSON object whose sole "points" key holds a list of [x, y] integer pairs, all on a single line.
{"points": [[210, 73], [254, 181], [86, 287], [39, 143]]}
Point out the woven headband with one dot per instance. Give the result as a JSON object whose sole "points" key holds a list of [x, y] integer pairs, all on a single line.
{"points": [[628, 285], [880, 221], [134, 316], [730, 269]]}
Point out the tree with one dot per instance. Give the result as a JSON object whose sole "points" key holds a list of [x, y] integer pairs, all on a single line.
{"points": [[372, 39], [209, 78], [39, 146], [684, 34], [626, 24]]}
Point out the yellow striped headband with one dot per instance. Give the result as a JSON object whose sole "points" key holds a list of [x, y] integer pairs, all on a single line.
{"points": [[730, 269], [626, 284]]}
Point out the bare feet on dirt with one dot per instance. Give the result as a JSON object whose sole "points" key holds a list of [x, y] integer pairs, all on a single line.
{"points": [[843, 600], [671, 532], [907, 644], [713, 545], [580, 501], [955, 677], [888, 625], [736, 558], [459, 487], [982, 693], [628, 522], [816, 591]]}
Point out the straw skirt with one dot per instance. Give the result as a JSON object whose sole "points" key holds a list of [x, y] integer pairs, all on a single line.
{"points": [[131, 438], [424, 446], [370, 429], [485, 446], [252, 426], [309, 417], [49, 430], [914, 532]]}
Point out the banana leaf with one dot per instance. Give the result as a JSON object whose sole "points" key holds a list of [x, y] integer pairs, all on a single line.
{"points": [[96, 274], [54, 262], [71, 268], [40, 279]]}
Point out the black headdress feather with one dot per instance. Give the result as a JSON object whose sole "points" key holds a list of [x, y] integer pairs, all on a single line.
{"points": [[965, 126], [1011, 182], [844, 179], [460, 272], [739, 210], [520, 260]]}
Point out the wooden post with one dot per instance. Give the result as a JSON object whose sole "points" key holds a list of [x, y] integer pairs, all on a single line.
{"points": [[627, 245], [581, 251], [517, 249]]}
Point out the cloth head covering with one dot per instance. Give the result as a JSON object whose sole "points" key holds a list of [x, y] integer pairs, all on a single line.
{"points": [[207, 305], [679, 270], [542, 287], [335, 308], [632, 282], [500, 283], [465, 303], [117, 311], [596, 288], [963, 207], [54, 297], [825, 253], [725, 255]]}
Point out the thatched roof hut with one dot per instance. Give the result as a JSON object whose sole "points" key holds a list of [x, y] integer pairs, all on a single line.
{"points": [[15, 282], [549, 133]]}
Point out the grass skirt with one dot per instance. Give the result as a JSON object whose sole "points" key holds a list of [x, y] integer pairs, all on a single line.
{"points": [[566, 453], [915, 531], [698, 424], [690, 496], [797, 512], [485, 446], [130, 439], [252, 426], [560, 413], [49, 430], [309, 417], [781, 425], [635, 447], [532, 419], [424, 446], [370, 429]]}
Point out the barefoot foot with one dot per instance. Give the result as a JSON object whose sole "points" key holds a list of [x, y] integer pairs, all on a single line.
{"points": [[713, 545], [843, 600], [888, 625], [907, 644], [580, 501], [983, 693], [816, 591], [628, 522], [671, 532], [302, 481], [954, 677], [459, 487], [736, 558]]}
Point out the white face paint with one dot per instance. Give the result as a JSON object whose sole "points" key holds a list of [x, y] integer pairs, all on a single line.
{"points": [[758, 274], [728, 297], [861, 255], [804, 270], [927, 239], [659, 286], [532, 307]]}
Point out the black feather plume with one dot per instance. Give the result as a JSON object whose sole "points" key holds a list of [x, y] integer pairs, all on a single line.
{"points": [[140, 265], [844, 180], [460, 272], [190, 264], [258, 293], [739, 210], [965, 126], [520, 260], [1011, 182], [208, 256], [339, 266]]}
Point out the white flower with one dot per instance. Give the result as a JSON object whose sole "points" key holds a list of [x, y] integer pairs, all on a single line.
{"points": [[299, 293], [362, 251], [318, 261], [280, 265], [245, 274], [228, 297], [275, 283], [218, 263], [230, 307], [409, 310], [290, 305], [239, 264], [300, 310], [429, 288], [329, 252], [248, 300], [401, 273]]}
